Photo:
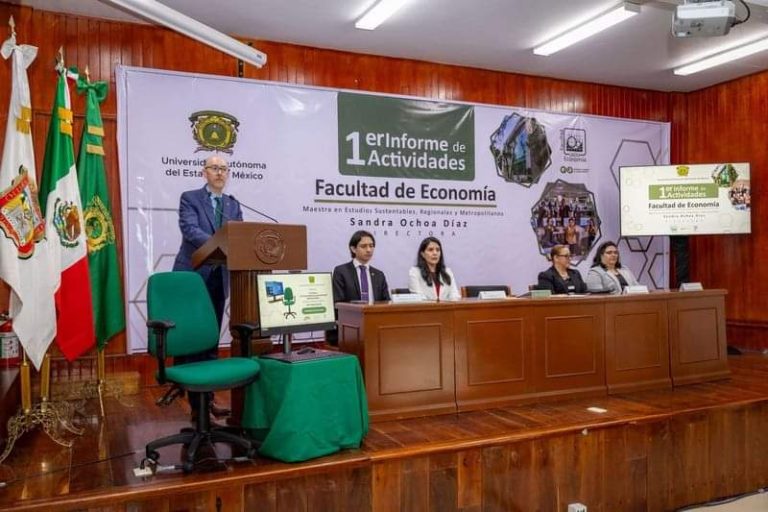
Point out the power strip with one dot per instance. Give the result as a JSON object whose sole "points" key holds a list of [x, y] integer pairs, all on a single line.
{"points": [[577, 507], [142, 472], [147, 471]]}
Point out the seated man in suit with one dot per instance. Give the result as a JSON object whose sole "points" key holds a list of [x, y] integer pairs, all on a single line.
{"points": [[201, 212], [358, 280]]}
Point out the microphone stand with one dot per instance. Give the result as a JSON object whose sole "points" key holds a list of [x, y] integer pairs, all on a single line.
{"points": [[250, 208], [254, 210]]}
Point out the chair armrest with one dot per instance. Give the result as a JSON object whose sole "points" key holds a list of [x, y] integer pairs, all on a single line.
{"points": [[160, 324], [245, 333], [161, 328]]}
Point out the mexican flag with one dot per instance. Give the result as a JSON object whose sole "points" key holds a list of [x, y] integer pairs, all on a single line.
{"points": [[25, 260], [60, 203], [108, 309]]}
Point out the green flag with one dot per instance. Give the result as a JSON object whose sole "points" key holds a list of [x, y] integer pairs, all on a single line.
{"points": [[108, 309]]}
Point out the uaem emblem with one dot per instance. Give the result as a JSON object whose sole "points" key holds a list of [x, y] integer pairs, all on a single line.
{"points": [[66, 220], [99, 230], [20, 217], [214, 131]]}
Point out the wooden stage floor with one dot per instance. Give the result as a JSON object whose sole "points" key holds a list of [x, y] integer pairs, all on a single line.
{"points": [[653, 450]]}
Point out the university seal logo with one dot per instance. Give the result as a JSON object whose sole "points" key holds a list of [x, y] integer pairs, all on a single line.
{"points": [[214, 131], [20, 217], [269, 246], [66, 220], [99, 230]]}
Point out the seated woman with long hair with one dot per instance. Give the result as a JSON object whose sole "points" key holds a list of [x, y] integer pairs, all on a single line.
{"points": [[430, 277]]}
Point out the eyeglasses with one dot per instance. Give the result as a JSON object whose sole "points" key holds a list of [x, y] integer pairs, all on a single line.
{"points": [[562, 255], [217, 169]]}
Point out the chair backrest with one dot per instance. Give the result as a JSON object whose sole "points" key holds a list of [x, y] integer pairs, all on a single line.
{"points": [[288, 298], [398, 291], [182, 298], [474, 290]]}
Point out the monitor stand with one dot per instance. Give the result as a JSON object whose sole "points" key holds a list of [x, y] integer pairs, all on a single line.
{"points": [[304, 354], [287, 342]]}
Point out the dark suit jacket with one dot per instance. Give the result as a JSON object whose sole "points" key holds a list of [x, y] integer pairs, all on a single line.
{"points": [[346, 286], [196, 219], [550, 280]]}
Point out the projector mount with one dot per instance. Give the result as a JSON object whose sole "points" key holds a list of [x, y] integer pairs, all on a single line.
{"points": [[707, 18]]}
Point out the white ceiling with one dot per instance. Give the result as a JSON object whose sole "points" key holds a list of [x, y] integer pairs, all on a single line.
{"points": [[489, 34]]}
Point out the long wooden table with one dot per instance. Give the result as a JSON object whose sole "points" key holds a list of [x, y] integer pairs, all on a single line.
{"points": [[435, 358]]}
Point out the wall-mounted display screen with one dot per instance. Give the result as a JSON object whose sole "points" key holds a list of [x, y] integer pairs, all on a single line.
{"points": [[700, 199]]}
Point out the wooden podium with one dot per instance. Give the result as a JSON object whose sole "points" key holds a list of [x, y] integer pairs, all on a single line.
{"points": [[248, 249]]}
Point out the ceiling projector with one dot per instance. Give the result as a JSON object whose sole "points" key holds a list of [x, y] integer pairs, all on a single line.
{"points": [[704, 18]]}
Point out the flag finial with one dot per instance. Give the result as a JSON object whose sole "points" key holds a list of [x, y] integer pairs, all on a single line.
{"points": [[60, 58], [12, 25], [87, 74]]}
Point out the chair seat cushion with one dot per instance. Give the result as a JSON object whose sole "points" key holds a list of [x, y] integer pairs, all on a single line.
{"points": [[216, 373]]}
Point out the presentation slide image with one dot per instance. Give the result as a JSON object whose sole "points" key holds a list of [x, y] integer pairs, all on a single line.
{"points": [[685, 199], [301, 299]]}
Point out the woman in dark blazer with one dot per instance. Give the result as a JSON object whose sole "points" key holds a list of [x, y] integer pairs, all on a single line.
{"points": [[560, 278]]}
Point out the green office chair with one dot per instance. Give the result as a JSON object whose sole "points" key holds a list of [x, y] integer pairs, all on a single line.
{"points": [[182, 322], [289, 300]]}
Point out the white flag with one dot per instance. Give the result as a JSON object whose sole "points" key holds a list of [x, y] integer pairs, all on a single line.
{"points": [[25, 262]]}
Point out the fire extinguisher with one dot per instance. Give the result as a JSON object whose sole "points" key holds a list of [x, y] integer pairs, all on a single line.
{"points": [[9, 345]]}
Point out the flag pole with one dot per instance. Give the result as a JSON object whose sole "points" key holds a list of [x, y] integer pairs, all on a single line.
{"points": [[103, 387], [101, 363], [41, 414], [45, 369]]}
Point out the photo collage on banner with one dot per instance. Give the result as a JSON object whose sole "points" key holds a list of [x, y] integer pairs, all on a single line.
{"points": [[499, 186]]}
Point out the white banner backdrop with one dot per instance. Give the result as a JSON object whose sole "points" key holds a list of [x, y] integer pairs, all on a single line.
{"points": [[401, 168]]}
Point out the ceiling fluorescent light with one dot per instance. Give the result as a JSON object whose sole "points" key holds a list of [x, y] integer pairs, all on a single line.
{"points": [[608, 19], [379, 13], [190, 27], [722, 58]]}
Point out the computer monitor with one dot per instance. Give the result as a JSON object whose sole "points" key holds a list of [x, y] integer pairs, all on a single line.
{"points": [[300, 302], [274, 290]]}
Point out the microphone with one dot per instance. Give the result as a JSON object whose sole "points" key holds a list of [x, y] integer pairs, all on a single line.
{"points": [[250, 208]]}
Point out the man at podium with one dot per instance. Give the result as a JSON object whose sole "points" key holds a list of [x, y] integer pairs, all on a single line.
{"points": [[201, 212]]}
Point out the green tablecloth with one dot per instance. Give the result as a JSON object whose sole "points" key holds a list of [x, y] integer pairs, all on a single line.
{"points": [[309, 409]]}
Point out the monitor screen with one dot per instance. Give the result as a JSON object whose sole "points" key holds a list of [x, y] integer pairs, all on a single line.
{"points": [[696, 199], [274, 290], [298, 302]]}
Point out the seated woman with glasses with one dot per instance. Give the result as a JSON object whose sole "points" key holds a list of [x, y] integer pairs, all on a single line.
{"points": [[607, 275], [560, 278]]}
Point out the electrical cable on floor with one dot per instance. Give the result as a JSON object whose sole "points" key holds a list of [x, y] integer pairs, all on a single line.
{"points": [[723, 501], [12, 481]]}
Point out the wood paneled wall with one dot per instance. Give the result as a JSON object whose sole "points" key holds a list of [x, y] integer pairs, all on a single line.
{"points": [[727, 122], [102, 45]]}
